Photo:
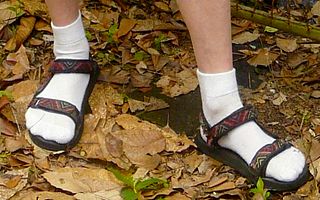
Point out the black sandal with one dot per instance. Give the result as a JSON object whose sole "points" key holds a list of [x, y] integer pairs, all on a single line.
{"points": [[260, 161], [62, 107]]}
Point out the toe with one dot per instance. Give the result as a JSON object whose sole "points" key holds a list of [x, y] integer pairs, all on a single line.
{"points": [[33, 116], [286, 166]]}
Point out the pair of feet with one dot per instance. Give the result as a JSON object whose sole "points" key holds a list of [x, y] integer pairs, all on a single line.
{"points": [[57, 130]]}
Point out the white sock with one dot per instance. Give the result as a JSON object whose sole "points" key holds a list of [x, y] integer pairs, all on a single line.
{"points": [[220, 98], [69, 43]]}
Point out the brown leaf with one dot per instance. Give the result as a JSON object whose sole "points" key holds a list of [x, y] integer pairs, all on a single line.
{"points": [[245, 37], [183, 83], [7, 128], [264, 57], [141, 80], [6, 192], [23, 32], [155, 104], [125, 26], [14, 144], [3, 101], [7, 15], [136, 105], [287, 45], [82, 180], [45, 195], [101, 195], [21, 61], [163, 6]]}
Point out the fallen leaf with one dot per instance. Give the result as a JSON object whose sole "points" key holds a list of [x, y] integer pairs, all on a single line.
{"points": [[125, 26], [315, 10], [100, 195], [183, 83], [163, 6], [280, 98], [315, 94], [7, 15], [82, 180], [245, 37], [45, 195], [21, 61], [155, 104], [136, 105], [21, 177], [23, 32], [287, 45], [263, 57]]}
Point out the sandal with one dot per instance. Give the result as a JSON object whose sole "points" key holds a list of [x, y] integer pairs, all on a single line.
{"points": [[63, 107], [258, 165]]}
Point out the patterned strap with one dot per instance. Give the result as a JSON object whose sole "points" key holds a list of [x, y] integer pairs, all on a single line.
{"points": [[266, 153], [56, 106], [234, 120], [71, 66]]}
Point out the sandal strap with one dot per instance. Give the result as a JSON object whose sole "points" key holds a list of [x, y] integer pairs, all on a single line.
{"points": [[231, 122], [56, 106], [266, 153], [71, 66]]}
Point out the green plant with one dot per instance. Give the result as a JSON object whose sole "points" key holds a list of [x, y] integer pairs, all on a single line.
{"points": [[158, 40], [140, 55], [134, 187], [112, 30], [260, 191], [6, 93]]}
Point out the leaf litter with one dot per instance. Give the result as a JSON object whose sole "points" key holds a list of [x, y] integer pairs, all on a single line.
{"points": [[140, 45]]}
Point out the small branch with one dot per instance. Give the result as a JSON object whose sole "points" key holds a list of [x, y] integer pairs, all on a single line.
{"points": [[281, 23]]}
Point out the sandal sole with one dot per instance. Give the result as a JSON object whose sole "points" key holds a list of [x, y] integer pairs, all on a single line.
{"points": [[233, 160]]}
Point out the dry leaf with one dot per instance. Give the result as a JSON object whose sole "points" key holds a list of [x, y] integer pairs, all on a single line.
{"points": [[163, 6], [21, 177], [21, 61], [101, 195], [279, 99], [136, 105], [125, 26], [287, 45], [7, 15], [183, 83], [264, 57], [245, 37], [316, 9], [82, 180], [315, 94], [23, 32]]}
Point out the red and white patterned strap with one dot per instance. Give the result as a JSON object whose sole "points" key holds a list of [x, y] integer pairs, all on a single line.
{"points": [[221, 129], [56, 106], [266, 153], [71, 66]]}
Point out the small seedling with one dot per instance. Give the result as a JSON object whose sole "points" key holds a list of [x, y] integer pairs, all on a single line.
{"points": [[260, 191], [159, 40], [134, 187]]}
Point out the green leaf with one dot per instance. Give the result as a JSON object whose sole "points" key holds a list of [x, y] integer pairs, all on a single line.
{"points": [[260, 184], [140, 55], [126, 179], [128, 194], [7, 94], [270, 29], [149, 184]]}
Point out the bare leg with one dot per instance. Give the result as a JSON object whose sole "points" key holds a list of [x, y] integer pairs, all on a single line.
{"points": [[63, 12], [209, 25], [210, 30]]}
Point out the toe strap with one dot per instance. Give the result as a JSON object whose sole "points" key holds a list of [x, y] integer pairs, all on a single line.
{"points": [[266, 153], [56, 106]]}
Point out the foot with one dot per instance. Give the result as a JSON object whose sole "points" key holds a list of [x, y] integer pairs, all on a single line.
{"points": [[220, 98], [67, 87], [69, 43]]}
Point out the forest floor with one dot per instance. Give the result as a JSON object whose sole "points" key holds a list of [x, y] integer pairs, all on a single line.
{"points": [[137, 142]]}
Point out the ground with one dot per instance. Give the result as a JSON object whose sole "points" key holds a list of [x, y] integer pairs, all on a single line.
{"points": [[138, 140]]}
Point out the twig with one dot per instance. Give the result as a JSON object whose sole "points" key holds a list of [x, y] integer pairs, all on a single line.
{"points": [[275, 21]]}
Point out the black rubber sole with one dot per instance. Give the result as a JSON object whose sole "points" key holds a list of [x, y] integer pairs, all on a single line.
{"points": [[233, 160], [54, 146]]}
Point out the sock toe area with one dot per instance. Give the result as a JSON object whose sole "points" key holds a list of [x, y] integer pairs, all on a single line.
{"points": [[33, 116], [286, 166], [61, 131]]}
